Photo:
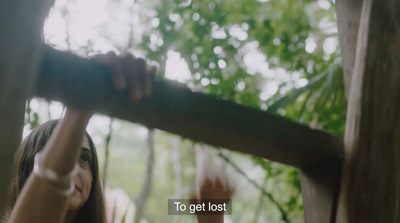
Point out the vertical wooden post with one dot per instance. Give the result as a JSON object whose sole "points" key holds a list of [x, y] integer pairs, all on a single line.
{"points": [[371, 176], [348, 14], [320, 187], [21, 23]]}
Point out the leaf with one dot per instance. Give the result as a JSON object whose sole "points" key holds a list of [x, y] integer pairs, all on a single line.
{"points": [[296, 93]]}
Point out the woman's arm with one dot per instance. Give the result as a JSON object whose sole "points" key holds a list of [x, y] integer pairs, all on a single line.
{"points": [[39, 201]]}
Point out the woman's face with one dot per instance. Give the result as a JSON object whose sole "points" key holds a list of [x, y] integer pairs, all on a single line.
{"points": [[83, 180]]}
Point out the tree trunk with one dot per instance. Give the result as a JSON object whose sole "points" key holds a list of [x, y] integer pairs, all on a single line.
{"points": [[107, 153], [371, 175], [176, 162], [141, 199], [348, 20]]}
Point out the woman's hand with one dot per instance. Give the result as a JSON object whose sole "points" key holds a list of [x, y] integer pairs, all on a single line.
{"points": [[129, 73], [210, 187]]}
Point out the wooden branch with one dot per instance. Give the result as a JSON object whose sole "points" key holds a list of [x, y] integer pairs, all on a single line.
{"points": [[175, 108], [371, 175], [348, 14]]}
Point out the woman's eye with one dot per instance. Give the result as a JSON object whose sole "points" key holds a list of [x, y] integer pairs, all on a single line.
{"points": [[85, 159]]}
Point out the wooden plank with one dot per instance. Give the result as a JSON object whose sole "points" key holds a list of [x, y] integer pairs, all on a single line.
{"points": [[320, 187], [21, 23], [371, 175], [175, 108]]}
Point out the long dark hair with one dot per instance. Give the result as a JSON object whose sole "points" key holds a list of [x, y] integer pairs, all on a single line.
{"points": [[93, 211]]}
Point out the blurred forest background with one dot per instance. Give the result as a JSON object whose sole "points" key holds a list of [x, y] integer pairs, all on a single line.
{"points": [[281, 56]]}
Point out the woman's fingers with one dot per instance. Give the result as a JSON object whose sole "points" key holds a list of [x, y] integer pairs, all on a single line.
{"points": [[111, 60], [130, 73], [150, 73], [138, 77], [211, 185], [141, 73], [117, 71]]}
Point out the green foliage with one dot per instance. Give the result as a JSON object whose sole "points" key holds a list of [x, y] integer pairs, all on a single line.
{"points": [[214, 37], [218, 39], [32, 117], [284, 183], [321, 103]]}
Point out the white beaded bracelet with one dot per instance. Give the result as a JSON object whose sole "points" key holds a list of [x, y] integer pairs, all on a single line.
{"points": [[52, 176]]}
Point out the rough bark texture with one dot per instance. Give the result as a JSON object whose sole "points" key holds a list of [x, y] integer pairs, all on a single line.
{"points": [[348, 14], [174, 108], [371, 177], [21, 23]]}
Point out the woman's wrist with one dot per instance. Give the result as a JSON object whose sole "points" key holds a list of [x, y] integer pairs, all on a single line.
{"points": [[61, 185], [77, 116], [63, 148]]}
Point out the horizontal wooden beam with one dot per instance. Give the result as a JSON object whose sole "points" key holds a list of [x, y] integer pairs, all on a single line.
{"points": [[175, 108]]}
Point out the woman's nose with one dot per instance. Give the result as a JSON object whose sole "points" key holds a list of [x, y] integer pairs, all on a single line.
{"points": [[74, 178]]}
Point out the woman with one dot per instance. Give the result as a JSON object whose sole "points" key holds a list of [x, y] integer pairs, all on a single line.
{"points": [[87, 198], [56, 178]]}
